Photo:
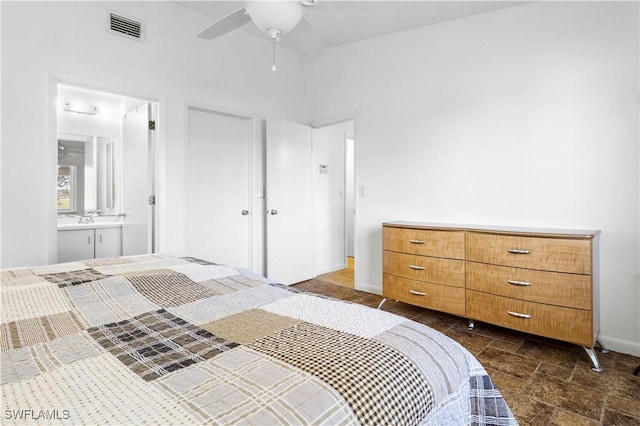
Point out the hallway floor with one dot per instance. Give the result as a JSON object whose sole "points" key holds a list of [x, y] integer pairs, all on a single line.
{"points": [[343, 277]]}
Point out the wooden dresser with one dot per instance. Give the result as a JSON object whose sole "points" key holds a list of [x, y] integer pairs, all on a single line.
{"points": [[539, 281]]}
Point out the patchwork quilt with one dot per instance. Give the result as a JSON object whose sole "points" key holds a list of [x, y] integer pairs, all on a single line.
{"points": [[157, 339]]}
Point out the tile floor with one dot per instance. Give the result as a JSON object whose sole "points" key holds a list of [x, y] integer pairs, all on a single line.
{"points": [[545, 382]]}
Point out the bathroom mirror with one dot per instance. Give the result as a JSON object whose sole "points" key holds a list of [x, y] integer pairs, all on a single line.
{"points": [[88, 176]]}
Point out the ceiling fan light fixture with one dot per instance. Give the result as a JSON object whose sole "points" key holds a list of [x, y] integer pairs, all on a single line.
{"points": [[280, 15]]}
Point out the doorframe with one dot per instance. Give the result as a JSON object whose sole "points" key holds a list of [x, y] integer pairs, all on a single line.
{"points": [[154, 112], [157, 138], [256, 168], [356, 202], [354, 195]]}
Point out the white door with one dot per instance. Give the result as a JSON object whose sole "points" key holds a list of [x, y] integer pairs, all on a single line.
{"points": [[218, 214], [289, 202], [136, 182]]}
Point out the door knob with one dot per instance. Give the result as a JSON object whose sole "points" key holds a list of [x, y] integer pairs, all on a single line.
{"points": [[273, 212], [245, 212]]}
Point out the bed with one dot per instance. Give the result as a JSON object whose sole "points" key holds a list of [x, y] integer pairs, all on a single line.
{"points": [[158, 339]]}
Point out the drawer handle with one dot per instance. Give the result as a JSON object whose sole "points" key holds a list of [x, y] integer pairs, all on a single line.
{"points": [[519, 315], [416, 241], [417, 293], [516, 282], [519, 251], [417, 268]]}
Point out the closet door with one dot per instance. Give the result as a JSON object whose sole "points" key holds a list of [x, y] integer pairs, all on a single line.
{"points": [[218, 179], [289, 202]]}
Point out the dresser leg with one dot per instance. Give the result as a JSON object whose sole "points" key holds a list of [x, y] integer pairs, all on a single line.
{"points": [[594, 359], [600, 346], [382, 303], [472, 325]]}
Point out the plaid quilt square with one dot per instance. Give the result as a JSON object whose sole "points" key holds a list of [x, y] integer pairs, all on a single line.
{"points": [[68, 279], [198, 261], [24, 363], [107, 261], [156, 343], [250, 325], [94, 390], [34, 299], [168, 288], [244, 387], [488, 405], [364, 371], [110, 300], [200, 273], [30, 331], [231, 284]]}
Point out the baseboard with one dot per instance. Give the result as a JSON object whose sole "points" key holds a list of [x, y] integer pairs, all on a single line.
{"points": [[619, 345], [369, 288], [333, 268]]}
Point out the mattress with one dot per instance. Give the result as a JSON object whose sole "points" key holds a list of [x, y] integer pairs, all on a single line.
{"points": [[160, 339]]}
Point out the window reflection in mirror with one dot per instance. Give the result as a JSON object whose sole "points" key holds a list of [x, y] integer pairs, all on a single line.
{"points": [[88, 176], [66, 189]]}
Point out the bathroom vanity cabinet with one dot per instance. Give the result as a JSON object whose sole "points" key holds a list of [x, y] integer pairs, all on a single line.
{"points": [[89, 243]]}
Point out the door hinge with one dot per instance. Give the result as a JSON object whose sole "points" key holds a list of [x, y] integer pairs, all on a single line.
{"points": [[152, 200], [152, 125]]}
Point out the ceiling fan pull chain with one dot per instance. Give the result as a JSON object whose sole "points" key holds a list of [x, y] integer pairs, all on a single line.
{"points": [[275, 36], [273, 67]]}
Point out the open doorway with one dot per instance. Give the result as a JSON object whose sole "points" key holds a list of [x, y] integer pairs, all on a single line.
{"points": [[334, 202], [106, 174]]}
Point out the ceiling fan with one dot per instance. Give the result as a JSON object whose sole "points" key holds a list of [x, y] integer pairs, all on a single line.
{"points": [[274, 18], [68, 148]]}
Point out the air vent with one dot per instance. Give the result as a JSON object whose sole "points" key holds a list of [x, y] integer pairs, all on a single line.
{"points": [[125, 26]]}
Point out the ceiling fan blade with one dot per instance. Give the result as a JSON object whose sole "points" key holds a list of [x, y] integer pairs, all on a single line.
{"points": [[225, 24], [307, 38]]}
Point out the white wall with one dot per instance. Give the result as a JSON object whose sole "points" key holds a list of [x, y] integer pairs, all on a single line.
{"points": [[524, 116], [107, 122], [69, 41]]}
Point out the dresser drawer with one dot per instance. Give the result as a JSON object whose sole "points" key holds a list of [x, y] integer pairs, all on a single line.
{"points": [[422, 268], [547, 254], [568, 324], [432, 296], [553, 288], [447, 244]]}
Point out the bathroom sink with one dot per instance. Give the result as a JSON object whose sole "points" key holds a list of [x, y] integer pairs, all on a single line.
{"points": [[94, 225]]}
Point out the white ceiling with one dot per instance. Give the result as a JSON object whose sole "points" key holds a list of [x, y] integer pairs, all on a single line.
{"points": [[343, 21]]}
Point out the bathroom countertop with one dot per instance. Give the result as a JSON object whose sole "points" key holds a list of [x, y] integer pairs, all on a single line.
{"points": [[95, 225]]}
